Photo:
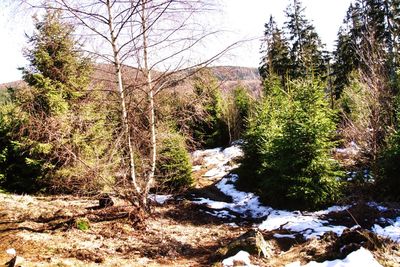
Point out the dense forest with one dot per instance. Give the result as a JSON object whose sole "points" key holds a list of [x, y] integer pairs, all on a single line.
{"points": [[320, 128]]}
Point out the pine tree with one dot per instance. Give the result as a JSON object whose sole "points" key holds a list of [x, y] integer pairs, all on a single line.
{"points": [[345, 60], [57, 127], [288, 147], [306, 47], [211, 131], [276, 52]]}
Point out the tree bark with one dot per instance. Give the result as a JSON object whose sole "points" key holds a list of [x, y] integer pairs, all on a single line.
{"points": [[121, 91], [150, 93]]}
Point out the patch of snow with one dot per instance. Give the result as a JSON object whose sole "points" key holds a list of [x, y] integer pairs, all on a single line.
{"points": [[242, 257], [361, 257], [245, 203], [196, 168], [377, 206], [333, 209], [234, 225], [232, 152], [11, 251], [309, 226], [392, 231], [284, 236], [249, 205], [160, 199], [211, 203], [215, 172], [219, 158], [238, 142], [220, 214], [210, 156]]}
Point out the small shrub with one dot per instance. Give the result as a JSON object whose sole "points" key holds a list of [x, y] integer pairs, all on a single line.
{"points": [[82, 224], [389, 168], [174, 169]]}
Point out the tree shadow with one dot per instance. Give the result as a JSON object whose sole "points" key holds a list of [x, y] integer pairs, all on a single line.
{"points": [[64, 223]]}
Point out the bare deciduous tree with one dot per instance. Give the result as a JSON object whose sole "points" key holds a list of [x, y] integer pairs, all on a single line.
{"points": [[158, 38]]}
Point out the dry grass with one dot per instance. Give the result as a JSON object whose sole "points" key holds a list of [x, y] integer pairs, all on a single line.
{"points": [[175, 235]]}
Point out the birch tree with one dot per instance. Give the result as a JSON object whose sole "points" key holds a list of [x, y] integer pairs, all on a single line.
{"points": [[158, 38]]}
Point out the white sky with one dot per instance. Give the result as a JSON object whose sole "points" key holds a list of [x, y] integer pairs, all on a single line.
{"points": [[242, 19]]}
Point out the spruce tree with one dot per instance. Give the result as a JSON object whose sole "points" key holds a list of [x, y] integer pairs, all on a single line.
{"points": [[57, 128], [306, 47], [211, 131], [345, 61], [276, 52], [288, 147]]}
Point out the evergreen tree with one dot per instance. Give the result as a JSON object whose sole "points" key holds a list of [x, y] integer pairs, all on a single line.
{"points": [[306, 47], [174, 169], [287, 147], [346, 61], [55, 124], [211, 131], [276, 52], [369, 28]]}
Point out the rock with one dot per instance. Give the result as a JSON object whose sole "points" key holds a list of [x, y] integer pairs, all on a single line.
{"points": [[252, 241]]}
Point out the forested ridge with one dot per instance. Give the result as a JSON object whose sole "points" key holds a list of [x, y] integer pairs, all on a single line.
{"points": [[193, 164]]}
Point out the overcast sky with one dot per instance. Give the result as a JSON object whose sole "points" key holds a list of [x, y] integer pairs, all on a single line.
{"points": [[240, 19]]}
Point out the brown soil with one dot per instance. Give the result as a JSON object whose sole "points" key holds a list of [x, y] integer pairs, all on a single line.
{"points": [[48, 231], [44, 232]]}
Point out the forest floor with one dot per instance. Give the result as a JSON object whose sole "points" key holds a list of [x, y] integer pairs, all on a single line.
{"points": [[193, 229]]}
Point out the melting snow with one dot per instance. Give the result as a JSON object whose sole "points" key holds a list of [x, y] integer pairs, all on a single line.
{"points": [[361, 257], [242, 258], [160, 199], [392, 231], [219, 158], [376, 206], [248, 205], [284, 236], [11, 251]]}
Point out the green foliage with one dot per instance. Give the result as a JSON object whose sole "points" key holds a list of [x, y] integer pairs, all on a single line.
{"points": [[5, 96], [306, 53], [389, 167], [82, 224], [243, 103], [288, 145], [53, 135], [346, 61], [235, 110], [55, 58], [21, 167], [211, 130], [275, 58], [174, 169], [388, 163], [370, 27], [295, 52]]}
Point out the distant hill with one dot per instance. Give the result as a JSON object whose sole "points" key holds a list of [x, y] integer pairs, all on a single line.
{"points": [[14, 84], [232, 73], [229, 76]]}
